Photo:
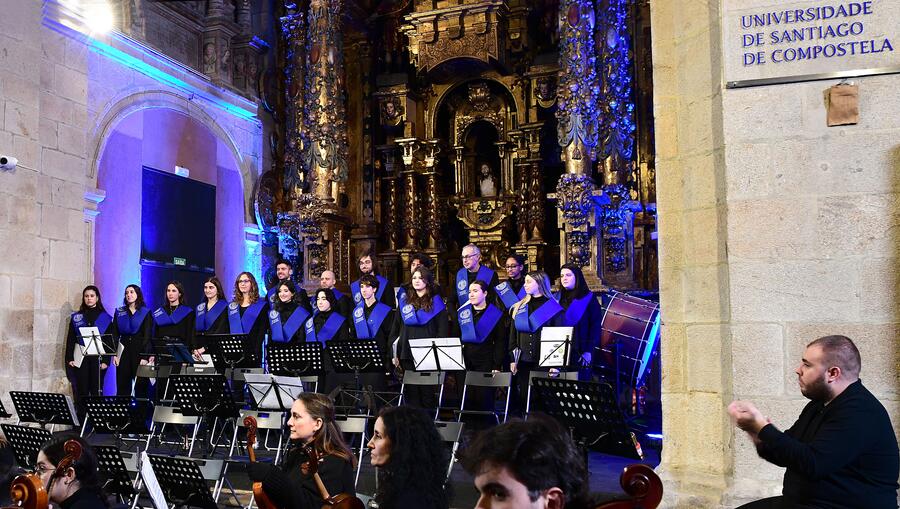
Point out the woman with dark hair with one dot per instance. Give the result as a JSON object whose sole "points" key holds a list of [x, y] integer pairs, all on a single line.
{"points": [[583, 313], [287, 319], [483, 330], [246, 316], [174, 319], [311, 425], [411, 458], [210, 318], [134, 325], [422, 314], [327, 323], [85, 376], [530, 315], [79, 486]]}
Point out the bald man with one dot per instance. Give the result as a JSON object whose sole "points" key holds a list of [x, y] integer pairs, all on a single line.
{"points": [[328, 280]]}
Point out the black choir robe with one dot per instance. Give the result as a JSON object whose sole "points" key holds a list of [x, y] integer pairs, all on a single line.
{"points": [[254, 338], [183, 330], [587, 330], [437, 327], [288, 309], [219, 326], [528, 343], [86, 379], [490, 354], [133, 346], [383, 335]]}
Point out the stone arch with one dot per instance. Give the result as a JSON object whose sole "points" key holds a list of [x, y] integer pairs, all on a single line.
{"points": [[128, 102], [511, 99]]}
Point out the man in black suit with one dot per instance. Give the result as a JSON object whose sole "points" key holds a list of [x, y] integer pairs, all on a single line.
{"points": [[842, 451]]}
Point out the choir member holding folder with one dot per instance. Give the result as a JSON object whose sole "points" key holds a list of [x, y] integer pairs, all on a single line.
{"points": [[211, 317], [134, 325], [85, 375]]}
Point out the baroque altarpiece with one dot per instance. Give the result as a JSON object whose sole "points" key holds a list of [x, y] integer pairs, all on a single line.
{"points": [[404, 126]]}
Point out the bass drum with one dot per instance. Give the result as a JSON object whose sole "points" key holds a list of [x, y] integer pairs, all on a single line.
{"points": [[630, 336]]}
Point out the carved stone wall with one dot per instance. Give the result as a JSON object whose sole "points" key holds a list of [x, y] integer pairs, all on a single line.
{"points": [[807, 214]]}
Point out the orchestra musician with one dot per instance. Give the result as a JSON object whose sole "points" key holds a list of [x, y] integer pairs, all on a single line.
{"points": [[79, 487], [311, 425]]}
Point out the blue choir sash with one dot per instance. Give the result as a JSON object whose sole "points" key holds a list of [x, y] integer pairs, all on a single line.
{"points": [[130, 325], [205, 319], [329, 329], [162, 318], [462, 281], [576, 310], [414, 317], [507, 295], [238, 324], [532, 322], [273, 293], [357, 296], [472, 332], [283, 332], [102, 322], [368, 328]]}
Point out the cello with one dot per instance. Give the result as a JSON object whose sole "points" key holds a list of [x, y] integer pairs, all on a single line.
{"points": [[262, 500], [28, 492], [339, 501]]}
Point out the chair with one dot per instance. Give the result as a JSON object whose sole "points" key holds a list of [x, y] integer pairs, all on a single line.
{"points": [[451, 432], [163, 415], [354, 425], [310, 379], [424, 378], [562, 375], [643, 486], [486, 380]]}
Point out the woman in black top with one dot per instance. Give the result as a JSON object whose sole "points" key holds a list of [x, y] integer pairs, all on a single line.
{"points": [[328, 324], [529, 316], [78, 487], [412, 460], [583, 313], [288, 316], [86, 379], [483, 330], [311, 425], [134, 324], [247, 315], [421, 314], [210, 316], [174, 319]]}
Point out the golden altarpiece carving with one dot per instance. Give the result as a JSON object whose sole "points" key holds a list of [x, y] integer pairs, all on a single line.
{"points": [[407, 126]]}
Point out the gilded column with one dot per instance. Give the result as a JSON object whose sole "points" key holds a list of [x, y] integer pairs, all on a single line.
{"points": [[293, 27], [410, 210], [325, 154]]}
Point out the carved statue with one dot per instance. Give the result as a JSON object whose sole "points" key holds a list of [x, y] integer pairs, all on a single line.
{"points": [[391, 111], [487, 181], [209, 58]]}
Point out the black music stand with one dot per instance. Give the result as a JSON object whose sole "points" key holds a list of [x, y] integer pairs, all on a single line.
{"points": [[297, 359], [358, 356], [26, 442], [116, 415], [590, 410], [228, 350], [172, 351], [3, 413], [117, 480], [181, 481], [44, 408], [204, 395]]}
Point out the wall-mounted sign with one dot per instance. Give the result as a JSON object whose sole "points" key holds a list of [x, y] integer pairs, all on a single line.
{"points": [[782, 42]]}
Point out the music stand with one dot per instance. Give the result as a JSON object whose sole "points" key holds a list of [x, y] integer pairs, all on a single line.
{"points": [[181, 481], [554, 347], [356, 356], [437, 354], [26, 442], [171, 351], [228, 350], [3, 413], [297, 359], [93, 344], [590, 410], [116, 415], [204, 395], [271, 392], [112, 466], [44, 408]]}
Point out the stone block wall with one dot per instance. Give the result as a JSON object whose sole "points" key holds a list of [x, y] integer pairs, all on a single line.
{"points": [[774, 229], [59, 102]]}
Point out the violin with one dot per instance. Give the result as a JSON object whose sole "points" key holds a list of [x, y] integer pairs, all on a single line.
{"points": [[339, 501], [262, 500], [28, 492]]}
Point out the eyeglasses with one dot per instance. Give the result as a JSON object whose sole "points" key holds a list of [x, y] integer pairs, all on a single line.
{"points": [[243, 280], [473, 255], [40, 470]]}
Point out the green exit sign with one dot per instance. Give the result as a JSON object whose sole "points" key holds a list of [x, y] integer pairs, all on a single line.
{"points": [[180, 261]]}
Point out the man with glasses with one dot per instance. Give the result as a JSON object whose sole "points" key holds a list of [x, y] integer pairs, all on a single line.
{"points": [[471, 270], [512, 290]]}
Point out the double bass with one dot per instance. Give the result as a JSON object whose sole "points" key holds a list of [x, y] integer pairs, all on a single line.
{"points": [[28, 492]]}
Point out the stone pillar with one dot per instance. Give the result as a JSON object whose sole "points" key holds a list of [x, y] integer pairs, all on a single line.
{"points": [[293, 29], [217, 55]]}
